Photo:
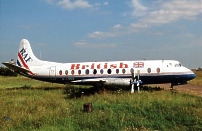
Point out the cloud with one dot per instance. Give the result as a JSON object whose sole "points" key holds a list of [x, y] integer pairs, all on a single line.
{"points": [[117, 26], [172, 11], [138, 25], [82, 44], [98, 34], [105, 3], [168, 12], [67, 4], [76, 4], [49, 1], [139, 9]]}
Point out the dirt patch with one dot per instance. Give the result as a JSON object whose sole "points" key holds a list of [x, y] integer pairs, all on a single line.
{"points": [[188, 88]]}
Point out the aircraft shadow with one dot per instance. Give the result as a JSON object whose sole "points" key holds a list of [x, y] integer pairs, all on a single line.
{"points": [[75, 92], [25, 87], [78, 92]]}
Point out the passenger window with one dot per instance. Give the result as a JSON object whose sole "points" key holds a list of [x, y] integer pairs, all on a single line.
{"points": [[123, 71], [109, 71], [72, 72], [79, 72], [87, 71], [94, 71], [60, 72], [117, 71], [149, 70], [66, 72], [101, 71], [158, 70]]}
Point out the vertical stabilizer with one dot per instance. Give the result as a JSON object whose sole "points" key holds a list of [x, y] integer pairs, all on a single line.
{"points": [[26, 58]]}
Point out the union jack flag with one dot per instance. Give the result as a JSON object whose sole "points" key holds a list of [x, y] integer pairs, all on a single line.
{"points": [[138, 64]]}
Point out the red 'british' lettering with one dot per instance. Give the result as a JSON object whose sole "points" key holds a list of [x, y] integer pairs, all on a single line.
{"points": [[113, 66], [123, 65], [75, 66], [105, 65], [99, 66], [92, 66]]}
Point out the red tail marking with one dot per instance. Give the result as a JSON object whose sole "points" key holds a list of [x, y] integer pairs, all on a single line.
{"points": [[23, 62]]}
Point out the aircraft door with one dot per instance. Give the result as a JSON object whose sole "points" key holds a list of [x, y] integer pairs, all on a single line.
{"points": [[52, 72]]}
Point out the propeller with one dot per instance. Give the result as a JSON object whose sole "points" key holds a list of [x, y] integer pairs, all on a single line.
{"points": [[134, 81], [138, 80]]}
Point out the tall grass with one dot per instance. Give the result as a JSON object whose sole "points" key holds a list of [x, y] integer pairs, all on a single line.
{"points": [[198, 79], [45, 108], [21, 81]]}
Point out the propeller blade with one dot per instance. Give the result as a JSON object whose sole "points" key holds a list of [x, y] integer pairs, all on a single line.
{"points": [[133, 77]]}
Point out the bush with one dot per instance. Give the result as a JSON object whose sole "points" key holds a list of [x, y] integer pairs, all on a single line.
{"points": [[199, 69], [7, 72]]}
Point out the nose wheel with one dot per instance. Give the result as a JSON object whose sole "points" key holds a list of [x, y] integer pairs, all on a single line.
{"points": [[171, 86]]}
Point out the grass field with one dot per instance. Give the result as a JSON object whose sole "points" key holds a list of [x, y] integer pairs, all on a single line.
{"points": [[33, 105], [198, 79]]}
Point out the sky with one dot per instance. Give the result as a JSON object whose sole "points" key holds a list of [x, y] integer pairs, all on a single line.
{"points": [[103, 30]]}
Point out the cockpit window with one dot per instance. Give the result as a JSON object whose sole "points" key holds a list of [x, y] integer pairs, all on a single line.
{"points": [[178, 65]]}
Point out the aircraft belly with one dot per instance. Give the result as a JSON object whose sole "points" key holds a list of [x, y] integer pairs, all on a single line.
{"points": [[164, 79], [116, 80]]}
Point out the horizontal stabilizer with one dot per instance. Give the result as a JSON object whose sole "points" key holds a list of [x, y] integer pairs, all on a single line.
{"points": [[15, 68]]}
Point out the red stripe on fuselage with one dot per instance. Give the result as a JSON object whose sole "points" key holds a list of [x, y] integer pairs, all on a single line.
{"points": [[23, 62]]}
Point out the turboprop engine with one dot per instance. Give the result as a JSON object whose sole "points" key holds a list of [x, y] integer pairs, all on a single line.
{"points": [[117, 82]]}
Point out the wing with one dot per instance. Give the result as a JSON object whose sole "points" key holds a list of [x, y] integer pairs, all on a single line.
{"points": [[16, 68]]}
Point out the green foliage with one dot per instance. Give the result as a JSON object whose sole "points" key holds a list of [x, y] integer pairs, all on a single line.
{"points": [[21, 81], [7, 72], [198, 79], [199, 69], [51, 110], [32, 105]]}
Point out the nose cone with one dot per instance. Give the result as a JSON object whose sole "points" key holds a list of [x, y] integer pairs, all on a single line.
{"points": [[191, 76]]}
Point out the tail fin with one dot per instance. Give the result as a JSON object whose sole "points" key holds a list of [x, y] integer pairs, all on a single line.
{"points": [[26, 58]]}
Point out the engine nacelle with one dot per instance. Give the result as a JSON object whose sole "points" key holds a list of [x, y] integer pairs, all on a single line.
{"points": [[117, 82]]}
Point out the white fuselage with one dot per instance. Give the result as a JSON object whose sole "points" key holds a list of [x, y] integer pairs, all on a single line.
{"points": [[116, 73]]}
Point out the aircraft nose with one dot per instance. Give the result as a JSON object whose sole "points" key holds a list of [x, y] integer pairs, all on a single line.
{"points": [[191, 76]]}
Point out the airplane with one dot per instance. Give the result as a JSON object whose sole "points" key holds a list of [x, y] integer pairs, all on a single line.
{"points": [[97, 74]]}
